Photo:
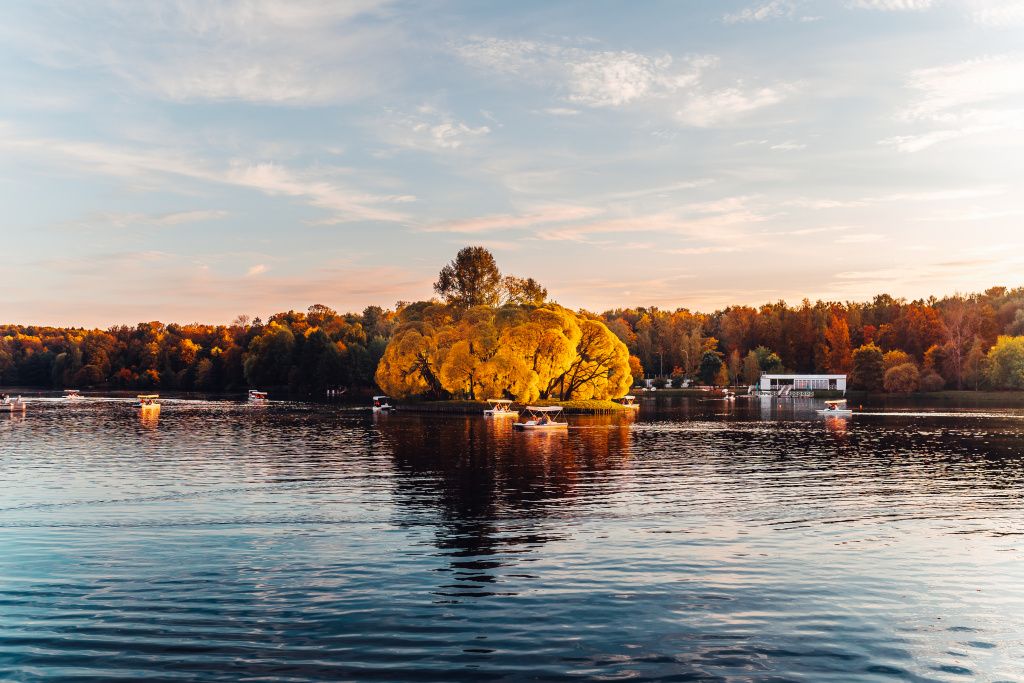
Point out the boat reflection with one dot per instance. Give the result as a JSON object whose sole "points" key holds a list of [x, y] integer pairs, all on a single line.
{"points": [[836, 426], [149, 417]]}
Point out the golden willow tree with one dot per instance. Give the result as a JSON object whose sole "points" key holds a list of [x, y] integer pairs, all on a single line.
{"points": [[523, 349]]}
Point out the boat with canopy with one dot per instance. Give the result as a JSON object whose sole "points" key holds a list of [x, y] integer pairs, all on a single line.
{"points": [[541, 418], [257, 396], [836, 408], [381, 403], [72, 394], [629, 401], [147, 401], [500, 407], [10, 405]]}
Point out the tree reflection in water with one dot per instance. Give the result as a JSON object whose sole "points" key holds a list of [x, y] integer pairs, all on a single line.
{"points": [[498, 491]]}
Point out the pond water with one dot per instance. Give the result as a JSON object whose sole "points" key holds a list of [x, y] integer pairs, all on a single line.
{"points": [[698, 540]]}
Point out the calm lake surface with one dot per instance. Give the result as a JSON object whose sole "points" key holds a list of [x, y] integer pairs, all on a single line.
{"points": [[699, 541]]}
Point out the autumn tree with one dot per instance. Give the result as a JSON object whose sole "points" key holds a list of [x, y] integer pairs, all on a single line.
{"points": [[901, 379], [839, 352], [895, 357], [482, 352]]}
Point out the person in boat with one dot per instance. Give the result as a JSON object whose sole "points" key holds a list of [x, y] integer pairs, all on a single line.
{"points": [[376, 404], [544, 419]]}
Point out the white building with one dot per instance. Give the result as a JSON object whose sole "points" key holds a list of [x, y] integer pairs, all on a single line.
{"points": [[802, 382]]}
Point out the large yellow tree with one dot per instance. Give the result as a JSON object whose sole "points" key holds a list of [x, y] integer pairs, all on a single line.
{"points": [[518, 352]]}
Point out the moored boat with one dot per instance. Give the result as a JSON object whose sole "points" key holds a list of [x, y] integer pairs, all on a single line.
{"points": [[500, 407], [541, 418], [629, 401], [72, 394], [381, 404], [10, 405], [257, 396], [148, 401], [836, 408]]}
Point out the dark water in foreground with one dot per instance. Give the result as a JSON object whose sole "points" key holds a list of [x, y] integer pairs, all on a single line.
{"points": [[699, 541]]}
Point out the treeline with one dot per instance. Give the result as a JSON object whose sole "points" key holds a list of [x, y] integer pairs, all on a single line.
{"points": [[306, 352], [956, 342], [489, 334]]}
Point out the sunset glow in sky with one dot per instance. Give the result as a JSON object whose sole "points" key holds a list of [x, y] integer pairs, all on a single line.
{"points": [[192, 161]]}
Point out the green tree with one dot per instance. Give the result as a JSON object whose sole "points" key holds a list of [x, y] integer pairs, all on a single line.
{"points": [[975, 364], [751, 368], [472, 279], [269, 359], [710, 364], [768, 360], [868, 369], [1006, 363]]}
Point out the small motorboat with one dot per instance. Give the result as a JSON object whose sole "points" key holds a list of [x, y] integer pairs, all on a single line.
{"points": [[500, 407], [728, 395], [72, 394], [257, 396], [835, 409], [541, 418], [10, 405], [381, 404], [629, 401], [148, 401]]}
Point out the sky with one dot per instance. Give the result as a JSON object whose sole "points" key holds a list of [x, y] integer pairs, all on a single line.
{"points": [[182, 160]]}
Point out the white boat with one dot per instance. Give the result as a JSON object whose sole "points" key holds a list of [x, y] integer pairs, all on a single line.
{"points": [[833, 409], [500, 407], [72, 394], [10, 405], [257, 396], [381, 403], [728, 396], [541, 418], [148, 401], [629, 401]]}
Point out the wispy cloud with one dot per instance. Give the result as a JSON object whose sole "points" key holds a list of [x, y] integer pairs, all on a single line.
{"points": [[313, 186], [614, 79], [962, 99], [892, 5], [431, 129], [997, 13], [720, 106], [266, 51], [121, 220], [763, 11]]}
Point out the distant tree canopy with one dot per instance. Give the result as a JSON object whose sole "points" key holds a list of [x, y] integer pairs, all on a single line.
{"points": [[945, 339], [966, 341], [305, 352]]}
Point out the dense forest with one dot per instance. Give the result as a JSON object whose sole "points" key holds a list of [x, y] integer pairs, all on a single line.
{"points": [[306, 352], [964, 341]]}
